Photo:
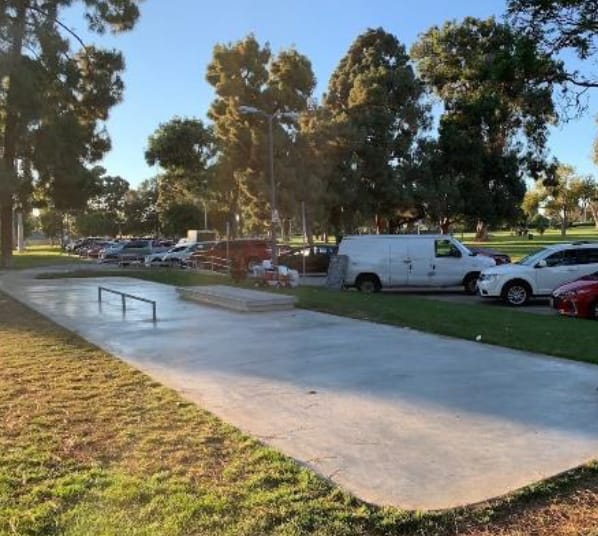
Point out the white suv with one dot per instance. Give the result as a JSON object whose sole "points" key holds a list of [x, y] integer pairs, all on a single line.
{"points": [[539, 273]]}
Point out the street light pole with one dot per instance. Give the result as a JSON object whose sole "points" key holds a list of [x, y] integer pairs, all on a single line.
{"points": [[274, 215], [273, 218]]}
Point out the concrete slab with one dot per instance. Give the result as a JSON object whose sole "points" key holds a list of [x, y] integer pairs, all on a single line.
{"points": [[237, 299], [395, 416]]}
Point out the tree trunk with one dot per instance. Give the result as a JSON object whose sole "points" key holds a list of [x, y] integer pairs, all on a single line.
{"points": [[20, 232], [445, 225], [481, 231], [593, 206], [10, 139], [564, 223]]}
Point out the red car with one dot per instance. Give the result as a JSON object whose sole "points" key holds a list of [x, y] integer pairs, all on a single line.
{"points": [[244, 252], [578, 298]]}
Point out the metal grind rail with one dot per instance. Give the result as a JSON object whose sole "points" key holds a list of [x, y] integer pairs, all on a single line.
{"points": [[124, 297]]}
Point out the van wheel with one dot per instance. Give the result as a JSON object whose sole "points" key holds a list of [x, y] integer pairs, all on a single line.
{"points": [[516, 293], [368, 284], [471, 283]]}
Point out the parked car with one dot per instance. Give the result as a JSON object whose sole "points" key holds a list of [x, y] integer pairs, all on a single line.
{"points": [[246, 252], [136, 250], [386, 261], [92, 248], [539, 273], [315, 258], [499, 258], [111, 253], [176, 255], [578, 298]]}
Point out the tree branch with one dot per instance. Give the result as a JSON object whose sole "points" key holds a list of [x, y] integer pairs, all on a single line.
{"points": [[61, 24]]}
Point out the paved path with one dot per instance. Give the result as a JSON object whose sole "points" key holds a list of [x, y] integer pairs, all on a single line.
{"points": [[395, 416]]}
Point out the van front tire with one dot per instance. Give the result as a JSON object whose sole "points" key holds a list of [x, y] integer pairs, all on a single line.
{"points": [[368, 283]]}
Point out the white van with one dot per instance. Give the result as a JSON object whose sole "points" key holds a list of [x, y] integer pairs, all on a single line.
{"points": [[385, 261]]}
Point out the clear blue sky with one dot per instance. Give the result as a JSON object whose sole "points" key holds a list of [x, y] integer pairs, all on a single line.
{"points": [[168, 51]]}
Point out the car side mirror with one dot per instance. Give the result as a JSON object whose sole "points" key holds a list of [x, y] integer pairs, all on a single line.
{"points": [[541, 264]]}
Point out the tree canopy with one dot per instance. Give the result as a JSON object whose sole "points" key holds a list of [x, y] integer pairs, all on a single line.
{"points": [[559, 25], [55, 95], [498, 104], [374, 112]]}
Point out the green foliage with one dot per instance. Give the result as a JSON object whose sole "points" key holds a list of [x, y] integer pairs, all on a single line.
{"points": [[54, 100], [374, 114], [559, 25], [246, 74], [497, 109], [540, 223], [177, 218], [181, 144], [140, 210]]}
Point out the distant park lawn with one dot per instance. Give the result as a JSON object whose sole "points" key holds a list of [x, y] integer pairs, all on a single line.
{"points": [[91, 446], [518, 247], [40, 256]]}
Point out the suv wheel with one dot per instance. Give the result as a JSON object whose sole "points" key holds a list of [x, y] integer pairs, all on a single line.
{"points": [[368, 284], [594, 310], [516, 293]]}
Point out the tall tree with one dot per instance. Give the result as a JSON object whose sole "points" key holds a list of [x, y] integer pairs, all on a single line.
{"points": [[54, 99], [374, 101], [246, 74], [497, 109], [141, 215], [559, 25], [184, 149]]}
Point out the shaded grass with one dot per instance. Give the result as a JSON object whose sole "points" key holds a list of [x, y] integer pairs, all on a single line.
{"points": [[89, 446], [40, 256], [571, 338]]}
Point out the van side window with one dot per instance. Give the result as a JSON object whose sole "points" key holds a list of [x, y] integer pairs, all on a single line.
{"points": [[445, 248]]}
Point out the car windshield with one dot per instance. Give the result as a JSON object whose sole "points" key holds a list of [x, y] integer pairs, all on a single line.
{"points": [[533, 257]]}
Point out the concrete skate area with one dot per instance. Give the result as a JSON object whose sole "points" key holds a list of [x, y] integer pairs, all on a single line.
{"points": [[395, 416]]}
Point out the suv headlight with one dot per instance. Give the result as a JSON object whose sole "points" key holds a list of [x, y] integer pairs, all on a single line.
{"points": [[488, 277]]}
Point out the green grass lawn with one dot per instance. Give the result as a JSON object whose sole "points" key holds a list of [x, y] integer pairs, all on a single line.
{"points": [[517, 247], [40, 256], [90, 446]]}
